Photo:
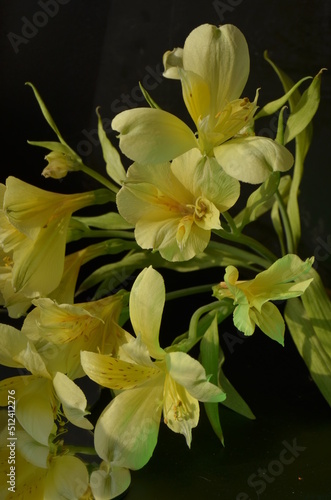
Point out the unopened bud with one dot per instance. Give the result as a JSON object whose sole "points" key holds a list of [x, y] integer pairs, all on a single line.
{"points": [[59, 164]]}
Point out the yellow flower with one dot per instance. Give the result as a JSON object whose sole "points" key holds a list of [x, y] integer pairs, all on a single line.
{"points": [[33, 225], [281, 281], [213, 67], [126, 432], [61, 331], [174, 206]]}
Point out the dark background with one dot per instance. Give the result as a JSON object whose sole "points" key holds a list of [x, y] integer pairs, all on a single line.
{"points": [[83, 54]]}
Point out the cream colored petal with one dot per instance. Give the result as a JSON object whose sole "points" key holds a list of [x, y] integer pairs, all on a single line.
{"points": [[127, 430], [146, 305], [35, 413], [172, 61], [189, 373], [115, 373], [152, 135], [220, 56], [106, 484], [67, 478], [253, 159], [33, 452], [73, 401]]}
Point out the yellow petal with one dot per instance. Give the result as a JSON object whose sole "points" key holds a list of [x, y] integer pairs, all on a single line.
{"points": [[115, 373], [161, 136]]}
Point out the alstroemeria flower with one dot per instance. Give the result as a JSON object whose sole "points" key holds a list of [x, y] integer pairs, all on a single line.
{"points": [[61, 331], [126, 432], [213, 68], [284, 279], [38, 395], [174, 206], [33, 225]]}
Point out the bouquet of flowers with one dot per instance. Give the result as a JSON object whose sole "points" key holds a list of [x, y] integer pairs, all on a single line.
{"points": [[174, 208]]}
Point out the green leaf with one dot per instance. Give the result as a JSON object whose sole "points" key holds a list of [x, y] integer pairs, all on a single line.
{"points": [[111, 221], [309, 346], [233, 399], [302, 144], [259, 202], [209, 349], [148, 98], [111, 156], [318, 307], [45, 112], [54, 146], [273, 106], [304, 111]]}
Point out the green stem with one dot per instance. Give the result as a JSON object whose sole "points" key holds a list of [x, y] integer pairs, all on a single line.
{"points": [[185, 292], [231, 222], [249, 242], [286, 222], [98, 177], [104, 233], [83, 450]]}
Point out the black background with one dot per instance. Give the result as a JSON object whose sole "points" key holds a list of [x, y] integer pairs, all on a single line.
{"points": [[86, 54]]}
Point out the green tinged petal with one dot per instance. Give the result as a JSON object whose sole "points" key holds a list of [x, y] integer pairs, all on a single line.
{"points": [[127, 430], [270, 321], [149, 135], [252, 159], [67, 478]]}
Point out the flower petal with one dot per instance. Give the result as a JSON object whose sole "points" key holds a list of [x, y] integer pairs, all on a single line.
{"points": [[147, 300], [126, 432], [270, 321], [67, 478], [115, 373], [106, 484], [252, 159], [73, 401], [189, 373], [180, 410], [32, 451], [220, 56], [149, 135]]}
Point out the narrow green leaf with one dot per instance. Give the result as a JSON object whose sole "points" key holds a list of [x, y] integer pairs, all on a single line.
{"points": [[233, 400], [45, 112], [112, 158], [304, 110], [112, 220], [148, 98], [209, 350], [259, 202], [309, 346], [318, 307], [273, 106]]}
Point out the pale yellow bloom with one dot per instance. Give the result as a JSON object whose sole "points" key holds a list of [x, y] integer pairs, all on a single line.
{"points": [[33, 225], [59, 164], [126, 432], [174, 206], [213, 67]]}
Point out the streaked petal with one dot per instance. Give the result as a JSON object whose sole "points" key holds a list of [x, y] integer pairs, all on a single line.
{"points": [[196, 95], [114, 373], [147, 300], [180, 410], [252, 159], [126, 432], [152, 135], [242, 319]]}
